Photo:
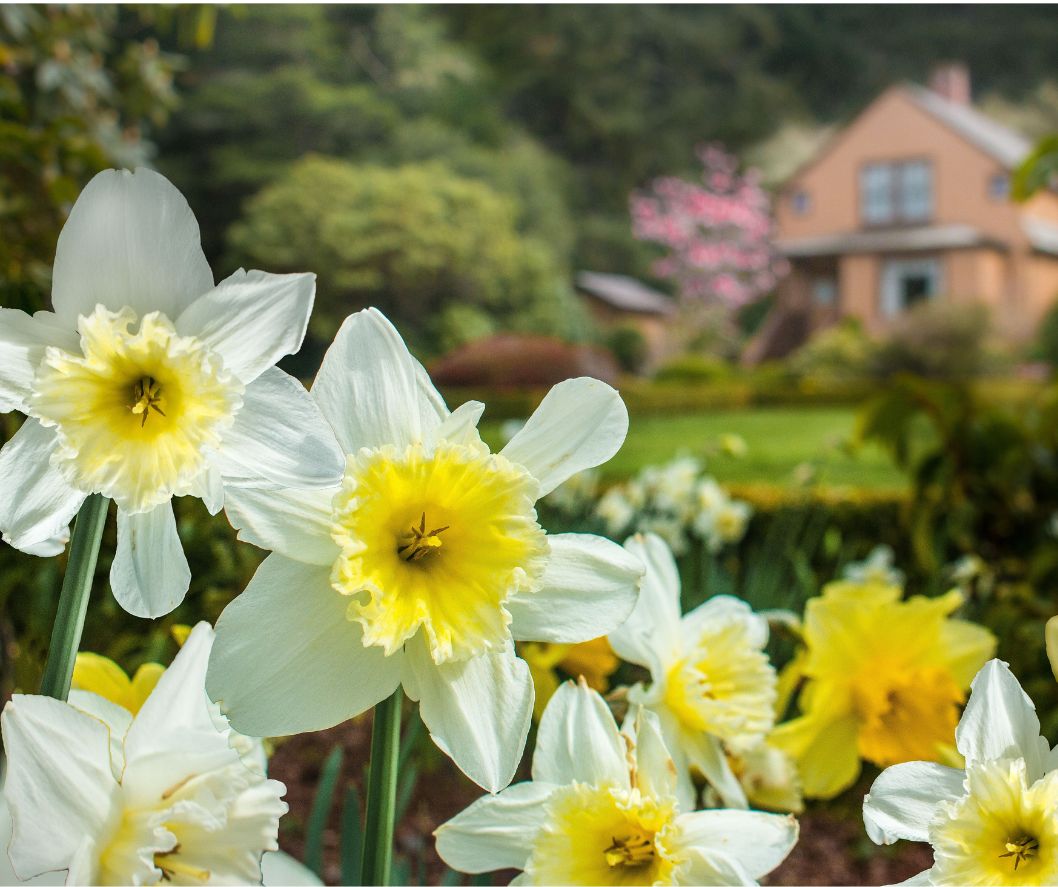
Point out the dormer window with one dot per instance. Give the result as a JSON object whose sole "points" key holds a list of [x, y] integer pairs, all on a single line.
{"points": [[896, 193], [801, 203], [999, 186]]}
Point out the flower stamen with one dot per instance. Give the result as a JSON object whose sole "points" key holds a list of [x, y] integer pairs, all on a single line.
{"points": [[146, 394], [630, 851], [420, 543], [171, 866], [1022, 850]]}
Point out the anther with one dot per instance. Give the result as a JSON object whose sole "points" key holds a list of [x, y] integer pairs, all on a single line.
{"points": [[147, 394], [420, 543], [1021, 850]]}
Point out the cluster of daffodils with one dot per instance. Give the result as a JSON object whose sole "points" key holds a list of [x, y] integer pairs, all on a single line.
{"points": [[677, 502], [603, 807]]}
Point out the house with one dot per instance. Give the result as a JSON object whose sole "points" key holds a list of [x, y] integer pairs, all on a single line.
{"points": [[910, 202], [615, 301]]}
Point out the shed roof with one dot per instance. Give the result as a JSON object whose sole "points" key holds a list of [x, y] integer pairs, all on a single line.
{"points": [[624, 293]]}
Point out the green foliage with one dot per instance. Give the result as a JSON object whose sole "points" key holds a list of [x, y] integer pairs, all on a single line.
{"points": [[937, 340], [1038, 170], [629, 348], [985, 483], [1047, 336], [840, 353], [408, 240], [76, 96], [693, 368]]}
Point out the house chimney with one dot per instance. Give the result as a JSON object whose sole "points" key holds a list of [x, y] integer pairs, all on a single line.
{"points": [[951, 81]]}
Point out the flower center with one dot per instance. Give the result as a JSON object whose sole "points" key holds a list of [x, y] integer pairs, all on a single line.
{"points": [[725, 686], [631, 850], [905, 714], [136, 412], [437, 540], [172, 867], [417, 543], [1020, 850], [146, 396]]}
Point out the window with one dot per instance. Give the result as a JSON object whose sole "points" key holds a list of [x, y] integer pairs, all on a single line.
{"points": [[801, 203], [999, 186], [896, 192], [824, 291], [908, 282]]}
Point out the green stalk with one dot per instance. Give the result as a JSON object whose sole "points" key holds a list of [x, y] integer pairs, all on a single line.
{"points": [[73, 599], [382, 791]]}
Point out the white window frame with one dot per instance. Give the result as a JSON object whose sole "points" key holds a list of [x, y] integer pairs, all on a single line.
{"points": [[893, 273]]}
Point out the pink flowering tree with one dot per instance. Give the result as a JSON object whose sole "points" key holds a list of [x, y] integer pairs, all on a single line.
{"points": [[718, 234]]}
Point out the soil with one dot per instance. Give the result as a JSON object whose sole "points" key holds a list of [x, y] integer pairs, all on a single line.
{"points": [[833, 848]]}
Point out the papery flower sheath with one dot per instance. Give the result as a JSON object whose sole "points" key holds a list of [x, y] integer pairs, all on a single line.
{"points": [[168, 794], [992, 823], [423, 566], [602, 809], [147, 381], [711, 684]]}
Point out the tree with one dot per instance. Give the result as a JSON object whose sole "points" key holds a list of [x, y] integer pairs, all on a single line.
{"points": [[717, 234]]}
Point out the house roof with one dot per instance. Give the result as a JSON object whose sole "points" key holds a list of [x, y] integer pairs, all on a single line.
{"points": [[1042, 235], [1001, 142], [624, 293], [927, 237]]}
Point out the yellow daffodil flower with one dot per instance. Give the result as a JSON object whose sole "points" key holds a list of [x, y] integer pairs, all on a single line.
{"points": [[885, 679], [104, 677], [593, 660]]}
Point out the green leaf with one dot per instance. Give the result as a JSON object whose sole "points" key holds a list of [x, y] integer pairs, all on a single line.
{"points": [[352, 838], [321, 810]]}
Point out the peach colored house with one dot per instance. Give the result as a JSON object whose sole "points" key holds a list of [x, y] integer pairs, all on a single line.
{"points": [[907, 203], [615, 301]]}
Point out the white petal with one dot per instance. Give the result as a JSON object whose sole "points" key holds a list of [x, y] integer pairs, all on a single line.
{"points": [[477, 711], [131, 239], [496, 831], [279, 436], [7, 874], [462, 425], [655, 770], [38, 504], [758, 842], [578, 740], [589, 588], [58, 772], [581, 423], [294, 523], [372, 390], [252, 319], [1000, 721], [651, 635], [150, 575], [209, 487], [724, 609], [706, 754], [49, 547], [922, 879], [117, 721], [286, 660], [22, 343], [904, 799], [279, 869]]}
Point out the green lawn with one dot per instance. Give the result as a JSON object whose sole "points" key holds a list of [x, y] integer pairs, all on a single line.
{"points": [[779, 439]]}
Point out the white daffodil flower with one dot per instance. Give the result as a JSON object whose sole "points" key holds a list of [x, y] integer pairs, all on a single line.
{"points": [[602, 809], [711, 683], [147, 381], [877, 569], [992, 823], [170, 794], [423, 566]]}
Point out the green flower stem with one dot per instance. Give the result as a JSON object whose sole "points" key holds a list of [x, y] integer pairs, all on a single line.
{"points": [[73, 599], [382, 791]]}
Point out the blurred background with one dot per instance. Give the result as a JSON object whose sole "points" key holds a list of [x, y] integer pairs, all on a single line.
{"points": [[816, 248]]}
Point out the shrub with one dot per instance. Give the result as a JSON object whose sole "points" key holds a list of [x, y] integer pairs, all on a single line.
{"points": [[840, 353], [629, 348], [937, 340], [1047, 337], [692, 368]]}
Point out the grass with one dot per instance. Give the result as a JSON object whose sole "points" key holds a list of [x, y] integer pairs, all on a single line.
{"points": [[779, 441]]}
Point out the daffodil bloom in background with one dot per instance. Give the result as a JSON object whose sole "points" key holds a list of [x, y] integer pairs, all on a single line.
{"points": [[993, 822], [875, 569], [768, 777], [593, 660], [711, 684], [723, 524], [147, 381], [97, 674], [423, 566], [885, 679], [165, 795], [602, 809]]}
